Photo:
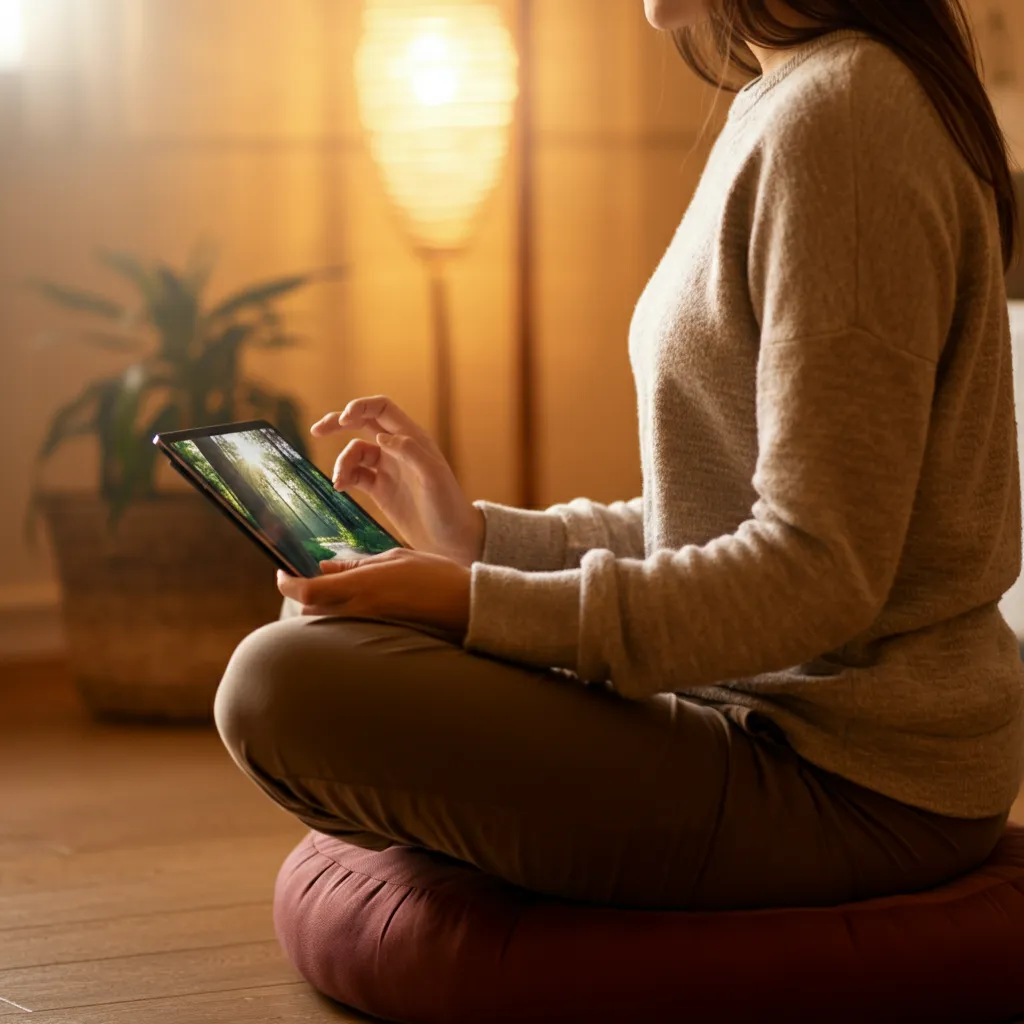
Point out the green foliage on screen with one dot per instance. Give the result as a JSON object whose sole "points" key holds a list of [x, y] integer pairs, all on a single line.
{"points": [[281, 494]]}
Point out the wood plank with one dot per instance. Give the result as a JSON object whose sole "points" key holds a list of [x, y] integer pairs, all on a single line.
{"points": [[144, 862], [148, 976], [70, 783], [74, 790], [173, 931], [136, 873], [145, 880], [279, 1004]]}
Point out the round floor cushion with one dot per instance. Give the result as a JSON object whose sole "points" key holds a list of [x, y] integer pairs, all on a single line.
{"points": [[409, 935]]}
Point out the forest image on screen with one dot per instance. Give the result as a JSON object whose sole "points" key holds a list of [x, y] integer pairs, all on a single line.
{"points": [[283, 496]]}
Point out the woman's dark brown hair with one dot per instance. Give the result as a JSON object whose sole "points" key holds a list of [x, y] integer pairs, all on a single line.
{"points": [[934, 39]]}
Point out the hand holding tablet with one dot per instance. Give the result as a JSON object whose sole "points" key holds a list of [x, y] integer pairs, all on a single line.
{"points": [[336, 559], [400, 585]]}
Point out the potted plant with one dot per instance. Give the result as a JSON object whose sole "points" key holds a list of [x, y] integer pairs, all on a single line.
{"points": [[157, 587]]}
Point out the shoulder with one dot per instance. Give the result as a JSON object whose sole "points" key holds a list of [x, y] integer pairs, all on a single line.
{"points": [[856, 98]]}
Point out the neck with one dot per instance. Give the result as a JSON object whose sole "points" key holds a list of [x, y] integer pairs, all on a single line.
{"points": [[770, 58]]}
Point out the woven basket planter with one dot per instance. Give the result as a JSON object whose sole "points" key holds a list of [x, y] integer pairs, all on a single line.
{"points": [[153, 608]]}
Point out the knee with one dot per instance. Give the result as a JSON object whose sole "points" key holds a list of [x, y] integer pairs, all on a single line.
{"points": [[254, 687]]}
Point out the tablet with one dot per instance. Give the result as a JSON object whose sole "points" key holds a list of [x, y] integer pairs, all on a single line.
{"points": [[275, 495]]}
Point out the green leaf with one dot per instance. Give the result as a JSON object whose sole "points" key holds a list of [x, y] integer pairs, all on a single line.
{"points": [[98, 339], [260, 294], [51, 337], [128, 471], [282, 411], [80, 301], [289, 424], [219, 361], [168, 418], [216, 372], [269, 316], [263, 402], [125, 413], [113, 342], [200, 264], [177, 288], [281, 340], [139, 469], [132, 270], [175, 315], [228, 340], [78, 417]]}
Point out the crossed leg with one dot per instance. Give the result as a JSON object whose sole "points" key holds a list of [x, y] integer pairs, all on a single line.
{"points": [[381, 733]]}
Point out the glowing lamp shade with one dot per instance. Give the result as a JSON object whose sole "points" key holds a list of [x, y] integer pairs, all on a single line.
{"points": [[437, 85]]}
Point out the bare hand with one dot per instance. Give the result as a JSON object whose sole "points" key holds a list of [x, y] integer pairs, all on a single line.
{"points": [[398, 464], [410, 586]]}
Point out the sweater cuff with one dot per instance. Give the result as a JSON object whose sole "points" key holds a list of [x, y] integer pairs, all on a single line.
{"points": [[527, 617], [521, 538]]}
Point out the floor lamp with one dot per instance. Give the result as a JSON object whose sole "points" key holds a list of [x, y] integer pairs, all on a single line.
{"points": [[437, 84]]}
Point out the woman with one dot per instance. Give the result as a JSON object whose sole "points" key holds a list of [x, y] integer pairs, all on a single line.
{"points": [[781, 677]]}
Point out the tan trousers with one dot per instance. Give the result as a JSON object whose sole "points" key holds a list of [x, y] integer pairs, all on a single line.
{"points": [[380, 733]]}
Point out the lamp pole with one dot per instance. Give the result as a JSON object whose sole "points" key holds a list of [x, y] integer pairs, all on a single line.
{"points": [[525, 263], [441, 333]]}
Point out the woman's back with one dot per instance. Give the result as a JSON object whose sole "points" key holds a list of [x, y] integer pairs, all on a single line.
{"points": [[830, 465], [876, 274]]}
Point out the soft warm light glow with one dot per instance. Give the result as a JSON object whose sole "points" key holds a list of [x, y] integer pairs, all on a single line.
{"points": [[12, 35], [437, 88], [433, 74], [249, 449]]}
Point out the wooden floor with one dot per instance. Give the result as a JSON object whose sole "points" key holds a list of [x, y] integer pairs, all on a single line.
{"points": [[136, 867]]}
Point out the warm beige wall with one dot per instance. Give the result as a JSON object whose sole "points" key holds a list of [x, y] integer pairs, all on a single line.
{"points": [[619, 154], [153, 122], [233, 120], [999, 25]]}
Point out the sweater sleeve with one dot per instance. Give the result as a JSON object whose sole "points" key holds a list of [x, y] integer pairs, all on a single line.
{"points": [[559, 537], [852, 316]]}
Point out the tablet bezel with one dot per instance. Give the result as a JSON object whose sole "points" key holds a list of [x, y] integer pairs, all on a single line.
{"points": [[164, 442]]}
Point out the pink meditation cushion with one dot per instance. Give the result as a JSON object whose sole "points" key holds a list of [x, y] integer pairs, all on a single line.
{"points": [[410, 935]]}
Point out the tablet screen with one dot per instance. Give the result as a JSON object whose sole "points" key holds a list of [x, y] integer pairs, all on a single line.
{"points": [[284, 497]]}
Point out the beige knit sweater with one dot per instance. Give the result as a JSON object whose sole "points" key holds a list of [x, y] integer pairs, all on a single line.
{"points": [[831, 496]]}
